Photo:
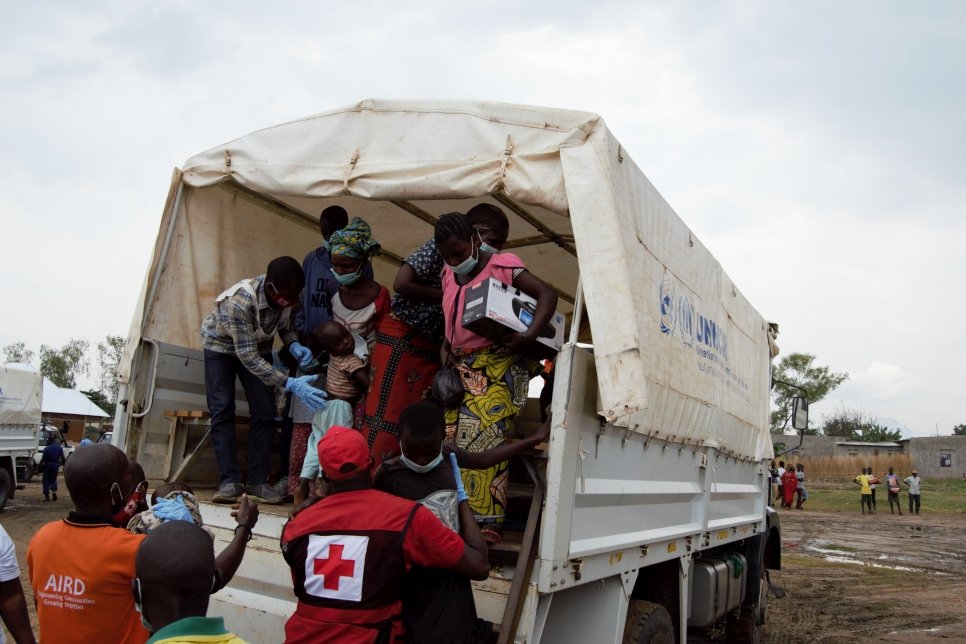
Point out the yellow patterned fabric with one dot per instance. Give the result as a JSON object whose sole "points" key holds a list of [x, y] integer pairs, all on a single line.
{"points": [[496, 383]]}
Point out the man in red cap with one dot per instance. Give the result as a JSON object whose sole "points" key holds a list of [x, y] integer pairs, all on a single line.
{"points": [[349, 551]]}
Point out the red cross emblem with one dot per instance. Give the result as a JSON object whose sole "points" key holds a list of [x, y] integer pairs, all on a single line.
{"points": [[334, 567]]}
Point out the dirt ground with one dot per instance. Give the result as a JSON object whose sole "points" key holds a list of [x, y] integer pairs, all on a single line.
{"points": [[881, 577], [847, 577], [22, 517]]}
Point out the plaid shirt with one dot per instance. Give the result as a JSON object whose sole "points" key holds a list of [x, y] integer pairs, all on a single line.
{"points": [[234, 323]]}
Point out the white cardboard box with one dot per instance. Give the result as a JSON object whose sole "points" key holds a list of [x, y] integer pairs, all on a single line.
{"points": [[493, 309]]}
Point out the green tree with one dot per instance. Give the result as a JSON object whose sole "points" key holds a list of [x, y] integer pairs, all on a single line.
{"points": [[800, 369], [63, 365], [99, 399], [858, 425], [108, 358], [875, 433], [18, 352], [959, 430], [845, 422]]}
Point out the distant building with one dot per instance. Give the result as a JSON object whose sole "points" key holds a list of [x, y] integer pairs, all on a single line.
{"points": [[933, 456], [70, 406]]}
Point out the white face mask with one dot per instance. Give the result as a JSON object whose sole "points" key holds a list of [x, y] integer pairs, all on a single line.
{"points": [[421, 469], [466, 266], [349, 278], [486, 248]]}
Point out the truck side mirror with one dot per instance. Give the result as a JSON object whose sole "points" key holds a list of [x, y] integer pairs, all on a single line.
{"points": [[799, 413]]}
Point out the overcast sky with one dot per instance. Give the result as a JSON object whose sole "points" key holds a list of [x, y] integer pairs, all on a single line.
{"points": [[818, 149]]}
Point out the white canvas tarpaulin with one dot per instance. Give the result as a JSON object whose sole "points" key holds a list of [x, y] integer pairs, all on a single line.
{"points": [[678, 350], [21, 393]]}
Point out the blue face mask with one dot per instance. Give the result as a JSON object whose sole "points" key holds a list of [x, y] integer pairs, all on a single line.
{"points": [[348, 278], [325, 243], [466, 266], [421, 469], [486, 248]]}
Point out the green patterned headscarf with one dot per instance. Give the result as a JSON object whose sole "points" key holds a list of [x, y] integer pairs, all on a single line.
{"points": [[355, 240]]}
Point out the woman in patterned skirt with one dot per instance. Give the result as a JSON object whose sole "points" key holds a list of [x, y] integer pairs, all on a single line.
{"points": [[496, 376]]}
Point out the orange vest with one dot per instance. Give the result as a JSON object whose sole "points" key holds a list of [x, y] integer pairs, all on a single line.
{"points": [[81, 574]]}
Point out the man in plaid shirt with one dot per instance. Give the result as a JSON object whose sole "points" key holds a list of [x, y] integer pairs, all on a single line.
{"points": [[237, 338]]}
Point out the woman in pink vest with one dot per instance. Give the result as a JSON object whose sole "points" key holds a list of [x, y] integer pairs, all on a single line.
{"points": [[495, 374]]}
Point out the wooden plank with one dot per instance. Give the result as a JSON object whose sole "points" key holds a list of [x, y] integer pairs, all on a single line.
{"points": [[528, 554], [169, 457], [190, 459], [186, 413]]}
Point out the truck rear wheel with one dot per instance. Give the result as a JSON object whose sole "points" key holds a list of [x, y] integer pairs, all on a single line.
{"points": [[648, 623], [5, 484]]}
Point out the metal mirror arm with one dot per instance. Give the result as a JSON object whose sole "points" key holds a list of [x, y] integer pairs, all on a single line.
{"points": [[799, 414]]}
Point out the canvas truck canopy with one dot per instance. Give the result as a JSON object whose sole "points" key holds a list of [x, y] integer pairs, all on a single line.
{"points": [[679, 351], [21, 391]]}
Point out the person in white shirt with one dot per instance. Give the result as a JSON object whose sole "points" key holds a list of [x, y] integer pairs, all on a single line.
{"points": [[13, 605], [913, 483]]}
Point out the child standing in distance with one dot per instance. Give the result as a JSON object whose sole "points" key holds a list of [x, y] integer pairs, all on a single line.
{"points": [[438, 604], [346, 381], [892, 482], [800, 489]]}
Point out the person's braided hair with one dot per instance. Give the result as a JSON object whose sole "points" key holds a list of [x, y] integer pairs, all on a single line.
{"points": [[452, 224]]}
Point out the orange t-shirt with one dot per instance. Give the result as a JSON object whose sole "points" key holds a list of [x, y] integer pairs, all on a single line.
{"points": [[81, 574]]}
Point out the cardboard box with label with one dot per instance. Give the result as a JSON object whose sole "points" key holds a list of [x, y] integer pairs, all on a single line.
{"points": [[493, 309]]}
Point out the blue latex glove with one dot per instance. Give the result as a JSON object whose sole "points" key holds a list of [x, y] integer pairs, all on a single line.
{"points": [[302, 387], [460, 490], [172, 510], [300, 353]]}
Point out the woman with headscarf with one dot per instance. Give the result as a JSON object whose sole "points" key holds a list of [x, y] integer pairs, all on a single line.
{"points": [[495, 375], [408, 339], [361, 303]]}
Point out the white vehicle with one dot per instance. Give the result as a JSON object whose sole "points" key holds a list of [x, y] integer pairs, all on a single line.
{"points": [[21, 391], [48, 431], [649, 509]]}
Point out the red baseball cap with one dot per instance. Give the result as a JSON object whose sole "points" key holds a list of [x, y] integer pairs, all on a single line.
{"points": [[343, 453]]}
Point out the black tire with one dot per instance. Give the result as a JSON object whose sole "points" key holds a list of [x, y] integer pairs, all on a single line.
{"points": [[648, 623], [5, 484]]}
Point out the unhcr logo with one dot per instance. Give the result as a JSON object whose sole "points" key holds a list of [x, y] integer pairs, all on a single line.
{"points": [[680, 319], [677, 314], [667, 307]]}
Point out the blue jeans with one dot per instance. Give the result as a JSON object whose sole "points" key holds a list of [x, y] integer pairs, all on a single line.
{"points": [[221, 369], [50, 479]]}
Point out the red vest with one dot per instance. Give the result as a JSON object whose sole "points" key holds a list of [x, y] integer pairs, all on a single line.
{"points": [[347, 560]]}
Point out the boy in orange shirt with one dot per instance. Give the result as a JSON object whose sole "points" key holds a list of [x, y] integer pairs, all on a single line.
{"points": [[81, 568]]}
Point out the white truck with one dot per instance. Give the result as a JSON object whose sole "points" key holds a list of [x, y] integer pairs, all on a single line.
{"points": [[648, 512], [21, 392]]}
